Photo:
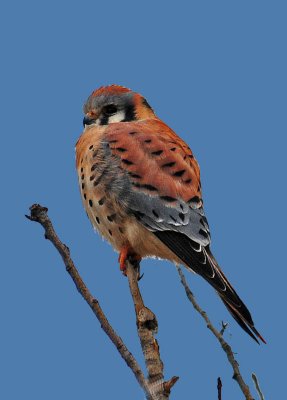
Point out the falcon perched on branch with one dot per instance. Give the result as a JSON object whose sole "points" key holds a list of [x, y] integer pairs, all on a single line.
{"points": [[140, 185]]}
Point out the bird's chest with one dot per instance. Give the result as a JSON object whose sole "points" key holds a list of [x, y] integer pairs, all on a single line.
{"points": [[102, 185]]}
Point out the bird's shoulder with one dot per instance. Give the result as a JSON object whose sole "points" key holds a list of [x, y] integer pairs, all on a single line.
{"points": [[157, 159]]}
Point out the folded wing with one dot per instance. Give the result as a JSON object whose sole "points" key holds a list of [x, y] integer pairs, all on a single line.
{"points": [[165, 196]]}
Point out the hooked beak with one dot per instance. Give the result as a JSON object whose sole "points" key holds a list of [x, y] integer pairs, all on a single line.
{"points": [[89, 119]]}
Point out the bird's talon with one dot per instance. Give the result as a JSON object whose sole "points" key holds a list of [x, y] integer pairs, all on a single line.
{"points": [[127, 254]]}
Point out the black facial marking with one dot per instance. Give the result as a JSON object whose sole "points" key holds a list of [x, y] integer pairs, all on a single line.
{"points": [[83, 176], [132, 133], [110, 232], [173, 149], [98, 220], [91, 147], [168, 198], [121, 149], [188, 180], [129, 113], [92, 177], [109, 109], [85, 196], [121, 229], [82, 169], [90, 203], [179, 173], [168, 164], [94, 167], [113, 141], [147, 141], [104, 120], [83, 185]]}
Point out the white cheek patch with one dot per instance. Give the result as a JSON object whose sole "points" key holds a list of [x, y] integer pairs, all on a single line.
{"points": [[118, 117]]}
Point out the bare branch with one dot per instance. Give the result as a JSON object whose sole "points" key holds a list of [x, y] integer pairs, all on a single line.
{"points": [[225, 346], [39, 214], [256, 383], [147, 327]]}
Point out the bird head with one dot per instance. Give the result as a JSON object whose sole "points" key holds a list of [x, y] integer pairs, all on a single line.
{"points": [[110, 104]]}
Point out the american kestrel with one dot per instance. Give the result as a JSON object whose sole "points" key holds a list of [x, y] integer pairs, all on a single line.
{"points": [[140, 186]]}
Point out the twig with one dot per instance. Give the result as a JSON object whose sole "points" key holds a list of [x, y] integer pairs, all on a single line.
{"points": [[219, 388], [224, 326], [39, 214], [147, 327], [256, 383], [225, 346]]}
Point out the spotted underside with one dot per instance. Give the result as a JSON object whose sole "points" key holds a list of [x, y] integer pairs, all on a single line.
{"points": [[163, 193]]}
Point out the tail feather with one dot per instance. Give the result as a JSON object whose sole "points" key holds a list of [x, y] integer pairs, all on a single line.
{"points": [[200, 260], [240, 320], [237, 309]]}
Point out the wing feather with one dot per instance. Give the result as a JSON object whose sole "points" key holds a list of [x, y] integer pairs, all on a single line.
{"points": [[165, 190]]}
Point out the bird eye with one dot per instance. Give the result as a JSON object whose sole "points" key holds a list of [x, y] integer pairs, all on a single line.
{"points": [[110, 109]]}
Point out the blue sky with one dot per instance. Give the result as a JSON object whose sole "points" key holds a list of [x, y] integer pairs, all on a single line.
{"points": [[216, 73]]}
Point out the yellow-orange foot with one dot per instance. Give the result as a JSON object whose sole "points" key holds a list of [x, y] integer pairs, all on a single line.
{"points": [[127, 253]]}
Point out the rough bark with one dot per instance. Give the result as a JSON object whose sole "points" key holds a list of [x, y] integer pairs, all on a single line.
{"points": [[154, 387]]}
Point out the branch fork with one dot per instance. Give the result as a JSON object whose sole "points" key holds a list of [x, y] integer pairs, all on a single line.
{"points": [[154, 386]]}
